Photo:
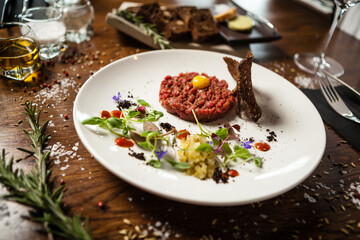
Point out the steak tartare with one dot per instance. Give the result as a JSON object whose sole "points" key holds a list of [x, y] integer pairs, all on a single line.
{"points": [[179, 96]]}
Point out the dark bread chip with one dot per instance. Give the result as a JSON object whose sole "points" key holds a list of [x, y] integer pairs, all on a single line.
{"points": [[233, 67], [241, 72]]}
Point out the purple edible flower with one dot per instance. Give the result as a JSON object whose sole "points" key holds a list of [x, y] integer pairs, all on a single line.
{"points": [[246, 144], [117, 98], [160, 153]]}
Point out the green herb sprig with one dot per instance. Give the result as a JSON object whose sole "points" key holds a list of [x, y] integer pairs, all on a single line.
{"points": [[114, 124], [149, 29], [221, 145], [34, 189]]}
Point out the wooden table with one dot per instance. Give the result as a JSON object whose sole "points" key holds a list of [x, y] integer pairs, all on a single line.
{"points": [[318, 208]]}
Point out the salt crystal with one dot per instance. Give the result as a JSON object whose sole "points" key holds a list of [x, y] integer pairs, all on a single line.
{"points": [[304, 82], [353, 192], [311, 199], [64, 168]]}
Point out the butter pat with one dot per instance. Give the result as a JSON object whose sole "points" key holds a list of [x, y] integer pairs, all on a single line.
{"points": [[241, 23]]}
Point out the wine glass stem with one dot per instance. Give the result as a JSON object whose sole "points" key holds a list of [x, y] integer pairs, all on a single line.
{"points": [[339, 12]]}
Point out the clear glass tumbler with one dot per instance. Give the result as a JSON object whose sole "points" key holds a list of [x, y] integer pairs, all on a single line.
{"points": [[49, 27], [79, 16], [19, 51]]}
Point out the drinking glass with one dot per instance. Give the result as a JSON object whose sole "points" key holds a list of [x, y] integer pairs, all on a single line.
{"points": [[48, 25], [78, 15], [19, 50], [311, 62]]}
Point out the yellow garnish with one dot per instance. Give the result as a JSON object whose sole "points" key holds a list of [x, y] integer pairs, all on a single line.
{"points": [[200, 82], [241, 23]]}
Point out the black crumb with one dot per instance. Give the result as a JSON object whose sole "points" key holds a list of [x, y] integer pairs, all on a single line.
{"points": [[166, 126], [140, 156], [220, 176], [130, 95], [125, 104], [272, 136]]}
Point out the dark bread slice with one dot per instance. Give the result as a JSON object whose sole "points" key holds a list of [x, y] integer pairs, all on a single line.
{"points": [[178, 25], [176, 29], [185, 13], [151, 13], [242, 71], [203, 26]]}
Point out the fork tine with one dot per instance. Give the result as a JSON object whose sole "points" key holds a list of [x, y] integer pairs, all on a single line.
{"points": [[333, 98], [324, 88], [332, 89]]}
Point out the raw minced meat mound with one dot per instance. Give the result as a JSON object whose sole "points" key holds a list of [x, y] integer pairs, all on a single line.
{"points": [[179, 96]]}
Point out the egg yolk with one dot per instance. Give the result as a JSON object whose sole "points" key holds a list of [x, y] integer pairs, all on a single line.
{"points": [[200, 82]]}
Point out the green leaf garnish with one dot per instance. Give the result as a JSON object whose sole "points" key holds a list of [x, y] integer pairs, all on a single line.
{"points": [[205, 147], [143, 103]]}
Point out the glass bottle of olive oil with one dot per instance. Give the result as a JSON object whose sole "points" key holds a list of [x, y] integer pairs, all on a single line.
{"points": [[19, 57]]}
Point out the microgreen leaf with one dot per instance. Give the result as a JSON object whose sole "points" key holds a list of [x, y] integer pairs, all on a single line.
{"points": [[178, 165], [132, 113], [205, 147], [258, 161], [92, 121], [222, 133], [143, 103], [155, 163], [227, 148], [144, 145]]}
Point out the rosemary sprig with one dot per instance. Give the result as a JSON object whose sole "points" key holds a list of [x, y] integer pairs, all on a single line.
{"points": [[148, 28], [34, 189]]}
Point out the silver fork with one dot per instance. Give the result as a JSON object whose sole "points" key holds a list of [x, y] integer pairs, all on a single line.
{"points": [[333, 98]]}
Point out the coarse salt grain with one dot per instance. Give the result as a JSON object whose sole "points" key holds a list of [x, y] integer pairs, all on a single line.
{"points": [[304, 82], [354, 193], [64, 168], [308, 197]]}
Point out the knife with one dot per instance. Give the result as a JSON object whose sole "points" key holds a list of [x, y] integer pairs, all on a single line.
{"points": [[256, 17]]}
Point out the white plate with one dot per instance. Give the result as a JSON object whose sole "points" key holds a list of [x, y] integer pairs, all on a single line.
{"points": [[286, 111]]}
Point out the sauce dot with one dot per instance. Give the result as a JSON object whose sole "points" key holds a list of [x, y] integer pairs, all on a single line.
{"points": [[262, 146], [232, 173], [124, 142]]}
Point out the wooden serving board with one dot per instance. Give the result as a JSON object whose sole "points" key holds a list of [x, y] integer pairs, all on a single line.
{"points": [[135, 32]]}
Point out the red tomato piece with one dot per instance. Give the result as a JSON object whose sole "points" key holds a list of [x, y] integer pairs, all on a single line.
{"points": [[105, 114], [182, 134], [117, 113]]}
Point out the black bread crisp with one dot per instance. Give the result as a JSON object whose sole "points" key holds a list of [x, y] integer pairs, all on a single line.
{"points": [[241, 72]]}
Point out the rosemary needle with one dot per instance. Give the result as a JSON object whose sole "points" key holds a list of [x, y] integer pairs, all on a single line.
{"points": [[149, 29], [34, 189]]}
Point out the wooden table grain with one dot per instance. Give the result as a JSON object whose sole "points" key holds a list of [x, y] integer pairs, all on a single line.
{"points": [[318, 208]]}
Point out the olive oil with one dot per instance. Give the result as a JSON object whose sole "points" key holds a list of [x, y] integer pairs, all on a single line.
{"points": [[18, 57]]}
